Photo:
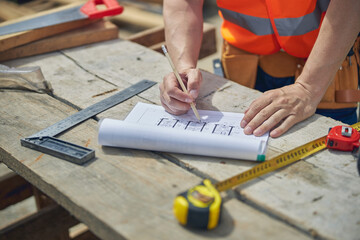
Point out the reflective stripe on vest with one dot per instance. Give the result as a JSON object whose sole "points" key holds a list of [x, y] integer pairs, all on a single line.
{"points": [[304, 24], [266, 26], [257, 25], [285, 26]]}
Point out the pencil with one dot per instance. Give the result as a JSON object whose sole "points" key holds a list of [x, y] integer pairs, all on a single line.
{"points": [[179, 80]]}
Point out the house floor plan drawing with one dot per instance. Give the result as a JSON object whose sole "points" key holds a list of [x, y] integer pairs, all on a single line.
{"points": [[150, 127], [214, 122]]}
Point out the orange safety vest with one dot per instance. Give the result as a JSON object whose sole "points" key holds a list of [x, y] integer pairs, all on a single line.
{"points": [[266, 26]]}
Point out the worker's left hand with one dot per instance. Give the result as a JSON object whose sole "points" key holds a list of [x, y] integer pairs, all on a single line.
{"points": [[279, 110]]}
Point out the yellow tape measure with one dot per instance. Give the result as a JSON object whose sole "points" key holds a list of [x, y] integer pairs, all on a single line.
{"points": [[200, 207]]}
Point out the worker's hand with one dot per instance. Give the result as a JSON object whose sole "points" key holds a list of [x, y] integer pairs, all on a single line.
{"points": [[279, 110], [173, 99]]}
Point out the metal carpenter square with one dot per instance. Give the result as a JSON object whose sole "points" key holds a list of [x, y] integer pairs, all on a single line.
{"points": [[61, 149], [45, 142], [93, 110]]}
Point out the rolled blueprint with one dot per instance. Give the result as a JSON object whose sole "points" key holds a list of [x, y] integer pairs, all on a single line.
{"points": [[117, 133]]}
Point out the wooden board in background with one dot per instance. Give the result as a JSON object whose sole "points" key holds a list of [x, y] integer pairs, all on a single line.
{"points": [[96, 32], [13, 189], [17, 39], [10, 10], [154, 38], [13, 40], [135, 16]]}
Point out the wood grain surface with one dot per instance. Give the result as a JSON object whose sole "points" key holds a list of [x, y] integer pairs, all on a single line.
{"points": [[128, 193]]}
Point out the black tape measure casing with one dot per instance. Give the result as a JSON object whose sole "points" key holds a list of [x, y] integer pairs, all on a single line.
{"points": [[199, 207]]}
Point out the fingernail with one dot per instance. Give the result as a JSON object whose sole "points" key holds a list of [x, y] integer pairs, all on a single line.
{"points": [[243, 123], [257, 132], [274, 133], [248, 130], [194, 93], [188, 100]]}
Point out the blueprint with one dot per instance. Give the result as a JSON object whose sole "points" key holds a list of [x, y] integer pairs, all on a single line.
{"points": [[150, 127]]}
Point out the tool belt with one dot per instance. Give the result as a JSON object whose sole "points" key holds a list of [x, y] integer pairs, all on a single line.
{"points": [[241, 67]]}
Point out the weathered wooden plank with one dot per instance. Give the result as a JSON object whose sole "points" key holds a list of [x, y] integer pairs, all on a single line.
{"points": [[153, 1], [16, 39], [27, 17], [148, 37], [135, 16], [48, 223], [208, 45], [102, 76], [10, 10], [127, 64], [4, 170], [307, 194], [13, 40], [123, 192], [42, 200], [64, 2], [40, 5], [154, 38], [17, 212], [96, 32], [13, 189], [86, 235]]}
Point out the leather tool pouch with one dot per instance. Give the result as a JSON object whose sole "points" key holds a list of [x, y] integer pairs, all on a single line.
{"points": [[343, 91], [241, 67]]}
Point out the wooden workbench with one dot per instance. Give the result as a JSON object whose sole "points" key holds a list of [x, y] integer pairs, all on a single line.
{"points": [[127, 193]]}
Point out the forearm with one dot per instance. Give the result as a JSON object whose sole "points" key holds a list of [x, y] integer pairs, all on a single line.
{"points": [[183, 31], [339, 29]]}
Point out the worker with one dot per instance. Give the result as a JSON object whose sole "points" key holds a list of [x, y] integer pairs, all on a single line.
{"points": [[267, 46]]}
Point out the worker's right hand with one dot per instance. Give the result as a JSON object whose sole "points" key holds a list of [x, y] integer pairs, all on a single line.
{"points": [[173, 99]]}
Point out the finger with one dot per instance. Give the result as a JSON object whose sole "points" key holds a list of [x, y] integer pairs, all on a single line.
{"points": [[179, 95], [167, 109], [171, 87], [254, 108], [194, 82], [284, 126], [167, 101], [260, 117], [174, 106], [243, 122], [276, 118]]}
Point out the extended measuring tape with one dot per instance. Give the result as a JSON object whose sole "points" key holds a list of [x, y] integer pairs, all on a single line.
{"points": [[200, 206]]}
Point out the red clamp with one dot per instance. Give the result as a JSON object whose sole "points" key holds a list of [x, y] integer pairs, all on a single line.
{"points": [[90, 9], [343, 138]]}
